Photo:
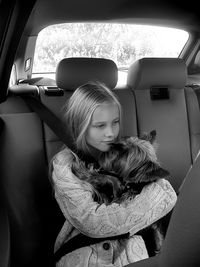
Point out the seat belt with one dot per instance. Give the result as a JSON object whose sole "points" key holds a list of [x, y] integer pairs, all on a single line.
{"points": [[196, 88], [82, 240], [56, 124]]}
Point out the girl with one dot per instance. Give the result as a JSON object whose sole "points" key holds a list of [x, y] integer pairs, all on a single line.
{"points": [[94, 116]]}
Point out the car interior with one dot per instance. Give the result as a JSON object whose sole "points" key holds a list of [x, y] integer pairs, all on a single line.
{"points": [[161, 93]]}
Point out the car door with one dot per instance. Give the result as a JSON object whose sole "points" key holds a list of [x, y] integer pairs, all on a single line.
{"points": [[13, 17]]}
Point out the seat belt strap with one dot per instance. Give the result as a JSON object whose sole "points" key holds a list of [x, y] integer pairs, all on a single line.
{"points": [[82, 240], [56, 124], [196, 88]]}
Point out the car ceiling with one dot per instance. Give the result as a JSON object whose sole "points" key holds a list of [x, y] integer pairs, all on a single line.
{"points": [[175, 13]]}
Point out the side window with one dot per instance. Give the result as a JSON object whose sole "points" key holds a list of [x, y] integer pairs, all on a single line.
{"points": [[123, 43], [13, 76]]}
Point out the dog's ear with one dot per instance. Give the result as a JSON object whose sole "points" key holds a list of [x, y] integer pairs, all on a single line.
{"points": [[151, 136]]}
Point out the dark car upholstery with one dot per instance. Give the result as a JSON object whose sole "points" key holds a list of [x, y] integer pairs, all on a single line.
{"points": [[33, 214]]}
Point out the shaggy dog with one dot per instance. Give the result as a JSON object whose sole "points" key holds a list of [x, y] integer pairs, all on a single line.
{"points": [[125, 169]]}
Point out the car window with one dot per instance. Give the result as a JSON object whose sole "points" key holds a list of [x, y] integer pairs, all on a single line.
{"points": [[123, 43]]}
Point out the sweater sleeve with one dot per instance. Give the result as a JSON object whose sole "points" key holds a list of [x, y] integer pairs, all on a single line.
{"points": [[95, 220]]}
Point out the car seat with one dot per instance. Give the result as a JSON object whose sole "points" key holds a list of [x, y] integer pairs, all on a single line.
{"points": [[164, 103]]}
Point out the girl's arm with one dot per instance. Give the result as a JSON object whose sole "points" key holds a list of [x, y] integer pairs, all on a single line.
{"points": [[94, 220]]}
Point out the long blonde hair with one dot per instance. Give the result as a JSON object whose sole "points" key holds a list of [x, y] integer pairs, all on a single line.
{"points": [[80, 107]]}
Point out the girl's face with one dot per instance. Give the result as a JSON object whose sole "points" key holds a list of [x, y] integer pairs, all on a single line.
{"points": [[104, 126]]}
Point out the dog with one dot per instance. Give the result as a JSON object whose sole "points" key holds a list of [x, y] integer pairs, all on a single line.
{"points": [[129, 165]]}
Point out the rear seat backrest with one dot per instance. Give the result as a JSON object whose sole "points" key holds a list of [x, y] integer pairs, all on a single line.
{"points": [[176, 119], [73, 72]]}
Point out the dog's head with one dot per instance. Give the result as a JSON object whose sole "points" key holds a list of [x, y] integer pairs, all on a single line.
{"points": [[134, 159], [107, 187]]}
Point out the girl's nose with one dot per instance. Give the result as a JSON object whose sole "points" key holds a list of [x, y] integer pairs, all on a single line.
{"points": [[109, 132]]}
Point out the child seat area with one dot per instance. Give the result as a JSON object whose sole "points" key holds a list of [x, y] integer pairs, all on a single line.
{"points": [[28, 144]]}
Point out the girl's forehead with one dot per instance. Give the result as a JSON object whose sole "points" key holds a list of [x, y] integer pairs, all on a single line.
{"points": [[105, 112]]}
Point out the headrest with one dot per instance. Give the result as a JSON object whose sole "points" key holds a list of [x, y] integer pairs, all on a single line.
{"points": [[73, 72], [146, 73]]}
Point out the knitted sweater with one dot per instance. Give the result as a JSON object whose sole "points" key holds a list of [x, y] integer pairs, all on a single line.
{"points": [[90, 218]]}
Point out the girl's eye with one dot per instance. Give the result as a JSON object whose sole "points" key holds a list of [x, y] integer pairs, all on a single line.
{"points": [[116, 122], [99, 126]]}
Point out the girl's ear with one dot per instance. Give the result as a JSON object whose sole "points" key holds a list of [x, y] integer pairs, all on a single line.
{"points": [[151, 137]]}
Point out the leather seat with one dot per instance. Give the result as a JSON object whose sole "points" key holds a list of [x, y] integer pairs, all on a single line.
{"points": [[164, 104]]}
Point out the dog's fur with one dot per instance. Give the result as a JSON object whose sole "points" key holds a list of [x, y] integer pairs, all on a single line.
{"points": [[125, 169]]}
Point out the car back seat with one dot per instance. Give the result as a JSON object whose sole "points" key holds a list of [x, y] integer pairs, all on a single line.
{"points": [[73, 72], [27, 144], [164, 104]]}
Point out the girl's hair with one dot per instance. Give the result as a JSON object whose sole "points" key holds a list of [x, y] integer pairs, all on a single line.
{"points": [[80, 107]]}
